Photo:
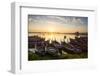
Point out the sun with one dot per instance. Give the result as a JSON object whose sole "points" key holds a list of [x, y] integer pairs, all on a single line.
{"points": [[51, 30]]}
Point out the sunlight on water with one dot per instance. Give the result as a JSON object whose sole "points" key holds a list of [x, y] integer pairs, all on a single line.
{"points": [[55, 36]]}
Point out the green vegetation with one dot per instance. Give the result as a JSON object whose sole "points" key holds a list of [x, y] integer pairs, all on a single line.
{"points": [[33, 56]]}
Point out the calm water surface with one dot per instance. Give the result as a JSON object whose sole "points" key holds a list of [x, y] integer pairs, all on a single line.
{"points": [[55, 36]]}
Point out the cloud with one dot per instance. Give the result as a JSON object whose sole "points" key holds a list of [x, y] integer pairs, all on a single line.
{"points": [[65, 22], [58, 19]]}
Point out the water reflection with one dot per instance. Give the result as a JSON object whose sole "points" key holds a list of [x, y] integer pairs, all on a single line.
{"points": [[56, 36]]}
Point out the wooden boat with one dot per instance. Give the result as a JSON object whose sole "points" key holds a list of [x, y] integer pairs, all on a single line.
{"points": [[40, 51], [69, 48], [52, 51]]}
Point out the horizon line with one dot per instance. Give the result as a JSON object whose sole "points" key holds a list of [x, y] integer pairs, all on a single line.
{"points": [[59, 32]]}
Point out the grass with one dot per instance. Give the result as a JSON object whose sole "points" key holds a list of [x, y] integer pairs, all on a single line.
{"points": [[33, 56]]}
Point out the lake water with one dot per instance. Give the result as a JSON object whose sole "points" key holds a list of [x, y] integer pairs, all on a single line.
{"points": [[55, 36]]}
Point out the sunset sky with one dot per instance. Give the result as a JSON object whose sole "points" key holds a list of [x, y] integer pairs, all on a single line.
{"points": [[63, 24]]}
